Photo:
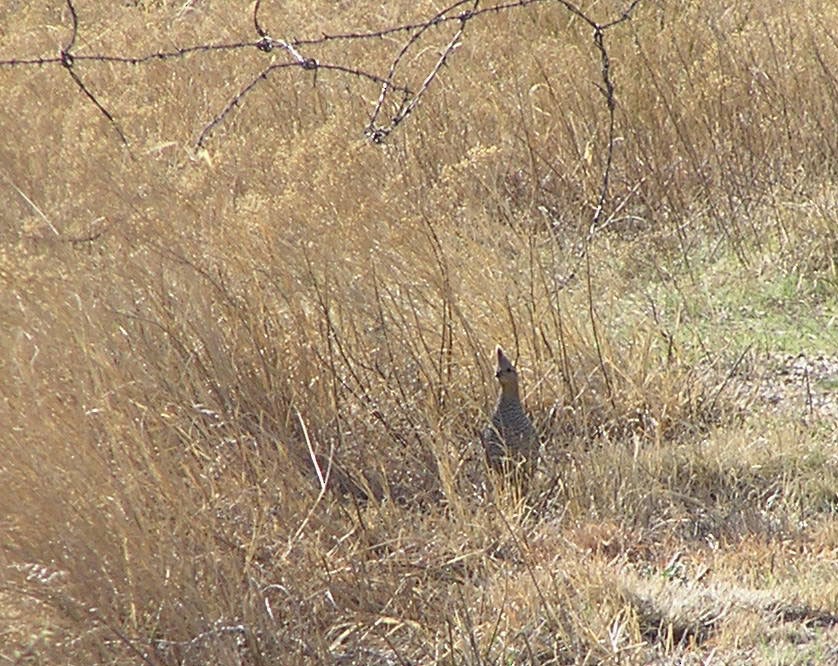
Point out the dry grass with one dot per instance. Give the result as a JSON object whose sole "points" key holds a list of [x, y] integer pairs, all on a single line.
{"points": [[240, 425]]}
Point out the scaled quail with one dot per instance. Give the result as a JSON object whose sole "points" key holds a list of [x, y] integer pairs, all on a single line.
{"points": [[510, 441]]}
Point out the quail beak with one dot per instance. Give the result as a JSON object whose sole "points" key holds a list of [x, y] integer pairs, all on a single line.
{"points": [[497, 374]]}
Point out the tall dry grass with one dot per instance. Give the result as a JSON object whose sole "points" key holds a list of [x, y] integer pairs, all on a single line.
{"points": [[241, 423]]}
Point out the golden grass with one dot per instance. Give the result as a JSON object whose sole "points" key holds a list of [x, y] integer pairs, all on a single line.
{"points": [[240, 425]]}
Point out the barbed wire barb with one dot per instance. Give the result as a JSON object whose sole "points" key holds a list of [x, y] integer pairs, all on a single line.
{"points": [[378, 134], [68, 60]]}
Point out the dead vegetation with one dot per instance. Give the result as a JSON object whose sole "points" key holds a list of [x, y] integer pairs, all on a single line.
{"points": [[242, 388]]}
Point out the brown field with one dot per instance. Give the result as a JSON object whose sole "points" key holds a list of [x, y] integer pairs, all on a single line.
{"points": [[241, 387]]}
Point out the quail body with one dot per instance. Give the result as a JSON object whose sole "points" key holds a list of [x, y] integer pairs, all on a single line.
{"points": [[510, 441]]}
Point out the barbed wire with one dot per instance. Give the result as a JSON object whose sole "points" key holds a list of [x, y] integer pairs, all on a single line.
{"points": [[302, 54], [459, 13]]}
